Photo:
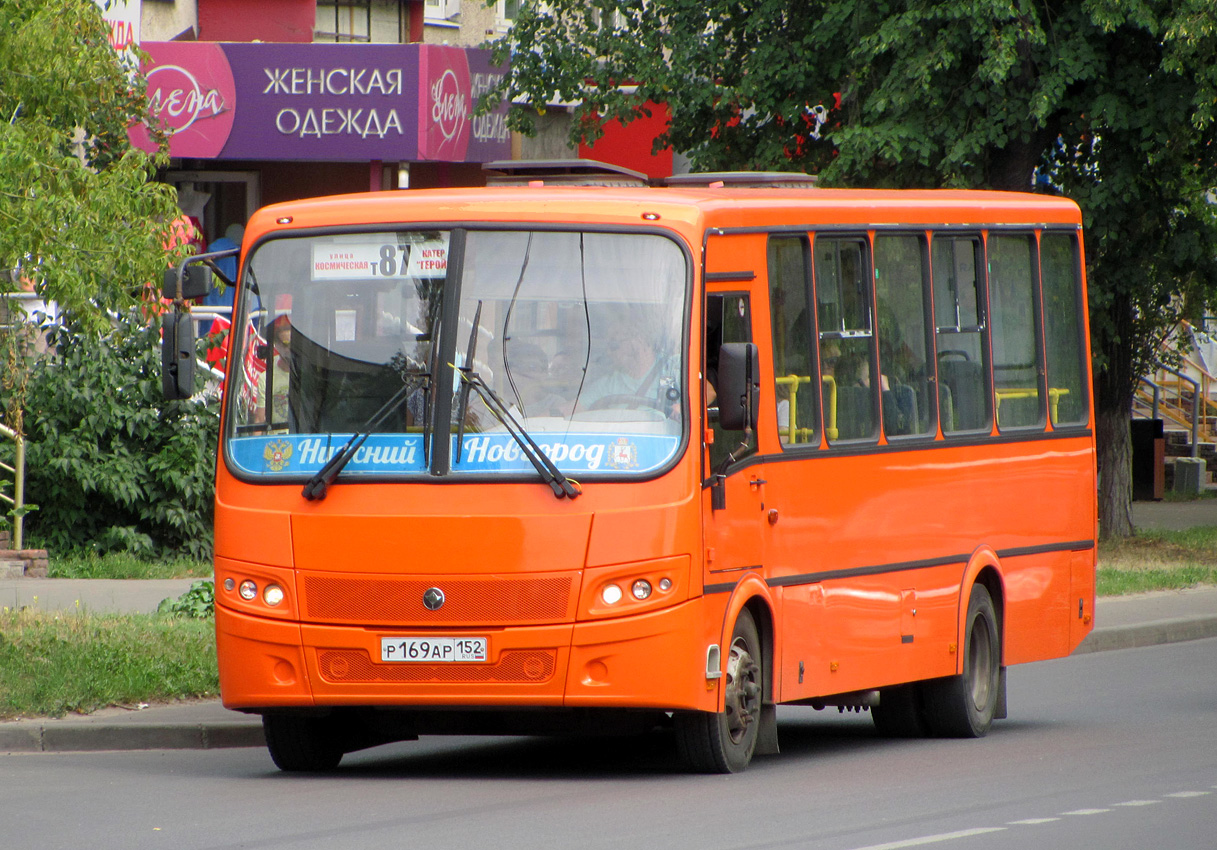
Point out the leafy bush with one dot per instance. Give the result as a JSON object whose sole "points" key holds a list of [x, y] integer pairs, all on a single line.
{"points": [[112, 466], [197, 603]]}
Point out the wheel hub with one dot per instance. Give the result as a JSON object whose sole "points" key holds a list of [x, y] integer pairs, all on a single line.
{"points": [[743, 696]]}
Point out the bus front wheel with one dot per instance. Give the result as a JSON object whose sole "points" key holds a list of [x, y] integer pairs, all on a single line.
{"points": [[723, 742], [964, 706], [302, 743]]}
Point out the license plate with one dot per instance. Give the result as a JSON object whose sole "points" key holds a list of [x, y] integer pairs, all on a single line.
{"points": [[433, 650]]}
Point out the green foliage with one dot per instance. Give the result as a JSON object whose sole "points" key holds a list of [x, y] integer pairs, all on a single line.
{"points": [[52, 664], [81, 218], [197, 603], [1110, 102], [111, 465], [121, 565]]}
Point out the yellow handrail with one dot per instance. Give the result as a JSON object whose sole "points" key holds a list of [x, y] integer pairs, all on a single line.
{"points": [[17, 500]]}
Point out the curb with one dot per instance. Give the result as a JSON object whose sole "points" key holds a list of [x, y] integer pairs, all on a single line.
{"points": [[69, 737], [1148, 634], [94, 735]]}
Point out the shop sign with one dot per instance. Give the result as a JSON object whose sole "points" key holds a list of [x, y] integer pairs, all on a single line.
{"points": [[323, 102]]}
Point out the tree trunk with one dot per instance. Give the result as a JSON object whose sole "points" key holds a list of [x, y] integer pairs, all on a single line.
{"points": [[1113, 433]]}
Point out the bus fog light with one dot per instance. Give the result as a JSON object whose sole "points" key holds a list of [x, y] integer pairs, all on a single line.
{"points": [[229, 584], [611, 594], [641, 589], [665, 584], [273, 595], [248, 590]]}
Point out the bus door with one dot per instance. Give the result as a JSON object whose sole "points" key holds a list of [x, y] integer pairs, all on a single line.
{"points": [[734, 495]]}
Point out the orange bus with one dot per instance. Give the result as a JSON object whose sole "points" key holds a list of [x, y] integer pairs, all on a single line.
{"points": [[546, 457]]}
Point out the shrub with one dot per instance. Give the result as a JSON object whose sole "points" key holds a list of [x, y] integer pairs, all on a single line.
{"points": [[111, 466]]}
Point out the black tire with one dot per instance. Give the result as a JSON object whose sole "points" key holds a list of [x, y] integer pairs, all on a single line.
{"points": [[723, 742], [899, 713], [299, 743], [963, 706]]}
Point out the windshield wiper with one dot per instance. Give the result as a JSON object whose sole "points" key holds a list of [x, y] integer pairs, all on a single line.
{"points": [[315, 488], [562, 486]]}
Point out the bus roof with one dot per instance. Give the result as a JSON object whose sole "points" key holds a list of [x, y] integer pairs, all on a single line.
{"points": [[680, 208]]}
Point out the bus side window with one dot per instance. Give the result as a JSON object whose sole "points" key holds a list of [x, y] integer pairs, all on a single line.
{"points": [[900, 296], [847, 368], [962, 383], [728, 319], [1063, 329], [1013, 264], [794, 389]]}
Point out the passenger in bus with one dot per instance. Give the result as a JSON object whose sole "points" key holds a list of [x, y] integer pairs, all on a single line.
{"points": [[280, 374], [637, 377], [531, 390]]}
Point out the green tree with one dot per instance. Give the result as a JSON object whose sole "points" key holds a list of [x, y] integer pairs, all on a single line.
{"points": [[1110, 101], [112, 465], [81, 218]]}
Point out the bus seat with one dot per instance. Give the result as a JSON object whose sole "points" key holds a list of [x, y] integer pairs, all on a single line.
{"points": [[965, 379], [854, 413], [900, 411]]}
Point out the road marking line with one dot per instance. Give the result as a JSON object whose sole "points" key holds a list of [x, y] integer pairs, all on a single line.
{"points": [[934, 839], [1086, 812], [1031, 821], [1138, 803], [1181, 795]]}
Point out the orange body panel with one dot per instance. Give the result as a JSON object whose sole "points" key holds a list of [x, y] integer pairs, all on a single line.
{"points": [[857, 561]]}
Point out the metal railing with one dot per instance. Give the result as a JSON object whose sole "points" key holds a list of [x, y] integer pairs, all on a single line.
{"points": [[1179, 398], [16, 500]]}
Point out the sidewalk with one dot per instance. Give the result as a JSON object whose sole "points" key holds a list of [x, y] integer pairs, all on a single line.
{"points": [[1120, 623]]}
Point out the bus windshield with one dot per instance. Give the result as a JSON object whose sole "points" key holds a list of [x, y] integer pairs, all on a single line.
{"points": [[465, 336]]}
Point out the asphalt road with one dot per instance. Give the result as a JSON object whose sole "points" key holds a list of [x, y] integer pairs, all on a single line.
{"points": [[1114, 749]]}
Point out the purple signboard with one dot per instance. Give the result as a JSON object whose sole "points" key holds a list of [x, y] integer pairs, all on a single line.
{"points": [[323, 102]]}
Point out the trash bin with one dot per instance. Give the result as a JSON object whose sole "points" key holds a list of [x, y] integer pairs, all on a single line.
{"points": [[1148, 459]]}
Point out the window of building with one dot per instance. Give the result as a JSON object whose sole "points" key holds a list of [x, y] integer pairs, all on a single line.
{"points": [[365, 21]]}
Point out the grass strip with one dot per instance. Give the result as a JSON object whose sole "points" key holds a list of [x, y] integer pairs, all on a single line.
{"points": [[55, 663], [120, 565], [1158, 560]]}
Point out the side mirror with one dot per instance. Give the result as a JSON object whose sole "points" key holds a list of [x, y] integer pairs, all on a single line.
{"points": [[196, 281], [177, 356], [739, 389]]}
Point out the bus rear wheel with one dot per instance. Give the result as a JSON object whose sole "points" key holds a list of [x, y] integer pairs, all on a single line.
{"points": [[899, 713], [964, 706], [302, 743], [723, 742]]}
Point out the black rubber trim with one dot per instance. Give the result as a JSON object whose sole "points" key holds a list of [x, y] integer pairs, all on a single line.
{"points": [[877, 569], [905, 566], [1071, 546], [724, 277]]}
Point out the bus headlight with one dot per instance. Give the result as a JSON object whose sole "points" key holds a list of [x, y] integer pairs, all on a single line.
{"points": [[248, 590], [641, 589], [273, 595], [611, 594]]}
